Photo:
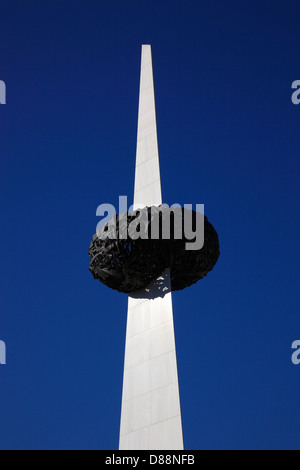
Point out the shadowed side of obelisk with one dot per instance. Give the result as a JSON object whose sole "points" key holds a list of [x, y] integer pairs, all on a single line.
{"points": [[150, 416]]}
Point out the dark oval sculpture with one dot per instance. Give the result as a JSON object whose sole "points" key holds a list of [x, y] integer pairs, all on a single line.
{"points": [[127, 264]]}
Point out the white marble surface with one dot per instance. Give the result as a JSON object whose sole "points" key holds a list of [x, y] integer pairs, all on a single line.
{"points": [[150, 417], [147, 190]]}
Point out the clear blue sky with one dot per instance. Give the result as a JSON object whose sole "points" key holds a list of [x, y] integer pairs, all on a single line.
{"points": [[228, 137]]}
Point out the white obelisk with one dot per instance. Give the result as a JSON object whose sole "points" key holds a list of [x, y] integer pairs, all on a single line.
{"points": [[151, 416]]}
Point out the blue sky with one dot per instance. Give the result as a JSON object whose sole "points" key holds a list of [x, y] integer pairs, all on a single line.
{"points": [[228, 137]]}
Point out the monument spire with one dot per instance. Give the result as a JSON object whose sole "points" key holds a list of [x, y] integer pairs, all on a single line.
{"points": [[149, 270], [151, 416], [147, 188]]}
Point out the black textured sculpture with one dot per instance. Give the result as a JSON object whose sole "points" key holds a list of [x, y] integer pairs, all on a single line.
{"points": [[129, 265]]}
